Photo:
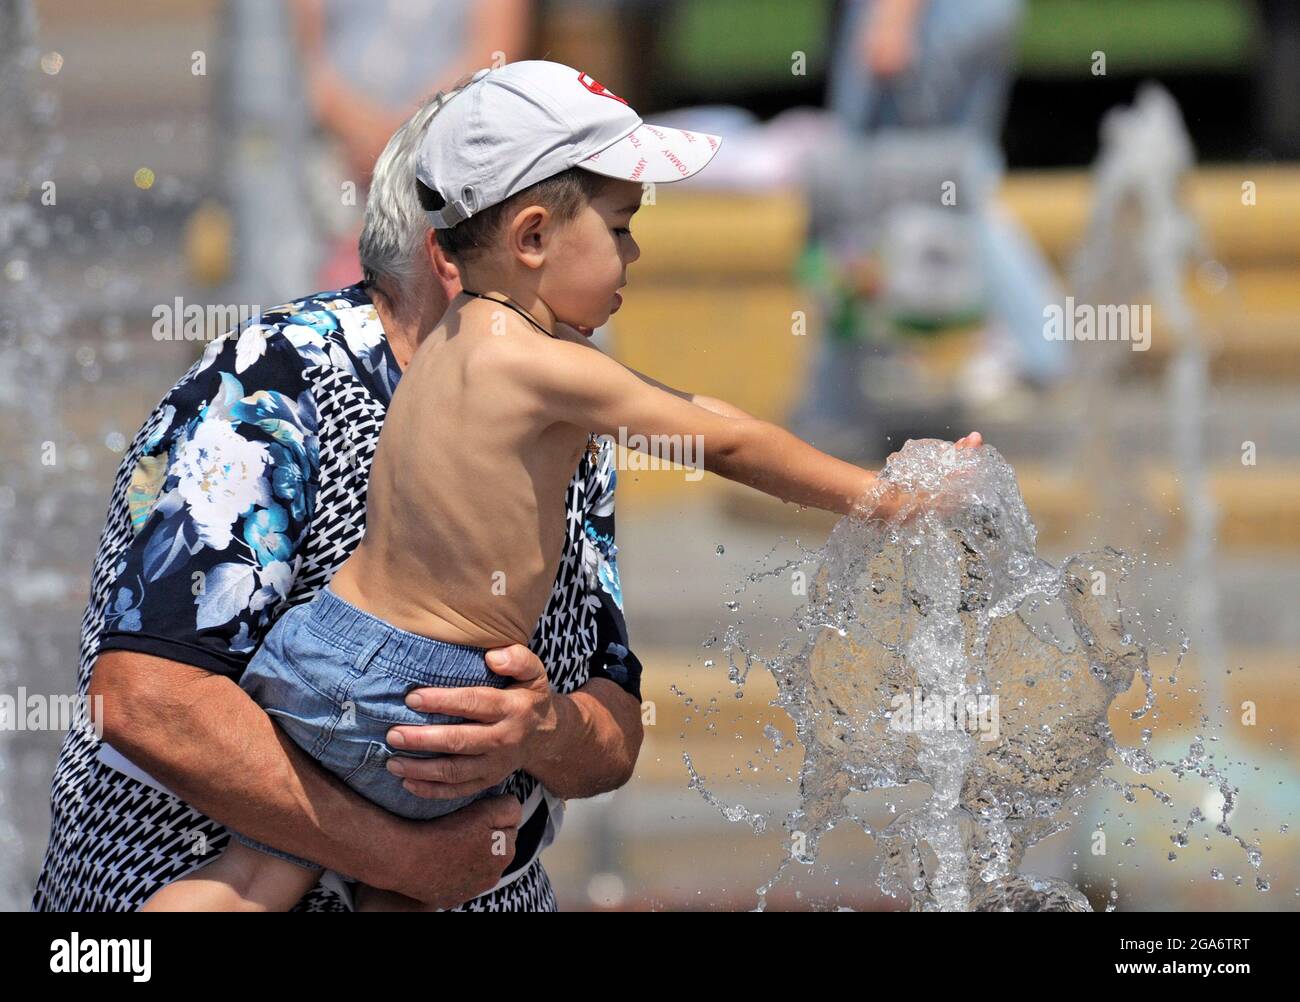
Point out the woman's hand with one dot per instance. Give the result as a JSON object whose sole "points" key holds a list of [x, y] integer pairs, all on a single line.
{"points": [[505, 729]]}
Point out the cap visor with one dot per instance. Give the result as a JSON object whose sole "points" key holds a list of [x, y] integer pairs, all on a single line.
{"points": [[654, 153]]}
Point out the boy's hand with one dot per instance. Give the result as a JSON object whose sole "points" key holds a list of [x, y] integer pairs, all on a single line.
{"points": [[952, 496], [889, 502]]}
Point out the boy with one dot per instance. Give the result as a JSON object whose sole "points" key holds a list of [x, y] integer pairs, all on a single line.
{"points": [[530, 176]]}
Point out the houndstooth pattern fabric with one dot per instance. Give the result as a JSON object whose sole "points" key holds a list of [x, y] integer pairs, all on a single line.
{"points": [[115, 840]]}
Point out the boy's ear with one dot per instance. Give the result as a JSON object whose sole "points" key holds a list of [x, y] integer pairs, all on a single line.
{"points": [[529, 233], [444, 268]]}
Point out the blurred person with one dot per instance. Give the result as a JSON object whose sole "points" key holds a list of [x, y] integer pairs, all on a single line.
{"points": [[366, 64], [927, 65]]}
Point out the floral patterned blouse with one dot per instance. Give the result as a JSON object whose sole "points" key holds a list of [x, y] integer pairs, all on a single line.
{"points": [[239, 497]]}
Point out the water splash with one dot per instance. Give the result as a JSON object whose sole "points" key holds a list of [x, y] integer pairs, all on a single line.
{"points": [[32, 361], [941, 653]]}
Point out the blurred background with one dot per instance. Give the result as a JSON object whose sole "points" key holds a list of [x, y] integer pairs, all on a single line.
{"points": [[905, 188]]}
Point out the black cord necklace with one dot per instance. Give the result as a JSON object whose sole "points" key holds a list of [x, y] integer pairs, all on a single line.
{"points": [[512, 305], [593, 443]]}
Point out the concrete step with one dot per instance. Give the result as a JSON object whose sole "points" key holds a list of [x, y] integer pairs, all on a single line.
{"points": [[690, 235], [1258, 506], [1258, 509], [670, 850], [1054, 206], [1141, 424], [740, 341], [702, 298], [676, 585], [728, 747]]}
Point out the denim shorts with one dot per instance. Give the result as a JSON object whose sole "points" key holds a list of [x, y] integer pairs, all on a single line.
{"points": [[335, 679]]}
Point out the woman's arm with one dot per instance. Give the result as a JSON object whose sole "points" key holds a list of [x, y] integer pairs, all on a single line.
{"points": [[204, 738]]}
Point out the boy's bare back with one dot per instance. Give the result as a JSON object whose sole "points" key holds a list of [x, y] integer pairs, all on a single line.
{"points": [[466, 504]]}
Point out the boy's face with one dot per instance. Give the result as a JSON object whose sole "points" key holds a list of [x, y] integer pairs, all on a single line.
{"points": [[587, 259]]}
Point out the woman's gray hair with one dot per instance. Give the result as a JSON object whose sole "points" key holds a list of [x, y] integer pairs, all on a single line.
{"points": [[395, 223]]}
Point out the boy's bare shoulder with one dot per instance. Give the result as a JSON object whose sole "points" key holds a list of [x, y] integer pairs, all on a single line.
{"points": [[533, 364], [523, 346]]}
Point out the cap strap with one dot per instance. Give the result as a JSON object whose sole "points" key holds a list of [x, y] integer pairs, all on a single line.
{"points": [[449, 215]]}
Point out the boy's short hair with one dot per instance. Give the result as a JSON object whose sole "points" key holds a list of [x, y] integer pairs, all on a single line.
{"points": [[564, 194]]}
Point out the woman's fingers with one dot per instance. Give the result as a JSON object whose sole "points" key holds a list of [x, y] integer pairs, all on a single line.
{"points": [[442, 791], [450, 771], [517, 661], [449, 739], [445, 769], [473, 702]]}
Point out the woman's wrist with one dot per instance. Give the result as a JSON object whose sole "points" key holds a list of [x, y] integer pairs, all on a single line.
{"points": [[546, 745]]}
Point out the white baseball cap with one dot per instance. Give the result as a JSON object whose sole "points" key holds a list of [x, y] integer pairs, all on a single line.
{"points": [[513, 126]]}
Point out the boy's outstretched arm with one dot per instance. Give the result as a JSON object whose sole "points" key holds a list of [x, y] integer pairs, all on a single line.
{"points": [[971, 441], [582, 386], [698, 399]]}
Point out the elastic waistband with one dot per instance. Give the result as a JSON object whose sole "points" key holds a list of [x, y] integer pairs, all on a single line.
{"points": [[357, 631]]}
